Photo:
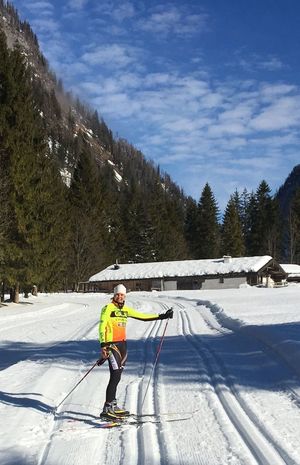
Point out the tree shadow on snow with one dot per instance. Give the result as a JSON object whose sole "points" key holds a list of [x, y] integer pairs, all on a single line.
{"points": [[20, 399], [60, 352], [14, 458], [258, 357]]}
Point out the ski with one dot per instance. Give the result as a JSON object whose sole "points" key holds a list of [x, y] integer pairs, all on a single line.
{"points": [[159, 417], [124, 422], [107, 424], [132, 420], [140, 419]]}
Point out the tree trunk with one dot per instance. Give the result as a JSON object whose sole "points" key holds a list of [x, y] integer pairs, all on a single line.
{"points": [[2, 292], [17, 294]]}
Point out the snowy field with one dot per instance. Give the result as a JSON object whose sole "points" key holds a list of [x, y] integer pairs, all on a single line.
{"points": [[226, 389]]}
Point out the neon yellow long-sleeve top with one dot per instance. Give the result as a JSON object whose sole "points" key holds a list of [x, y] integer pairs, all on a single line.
{"points": [[112, 326]]}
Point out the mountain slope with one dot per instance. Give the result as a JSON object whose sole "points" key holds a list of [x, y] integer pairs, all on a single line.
{"points": [[288, 189], [118, 205]]}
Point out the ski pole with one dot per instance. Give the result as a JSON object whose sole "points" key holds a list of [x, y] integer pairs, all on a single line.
{"points": [[156, 360], [98, 362]]}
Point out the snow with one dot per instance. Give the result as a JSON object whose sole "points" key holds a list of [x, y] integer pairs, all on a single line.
{"points": [[67, 176], [291, 269], [89, 132], [225, 390], [118, 177], [181, 268]]}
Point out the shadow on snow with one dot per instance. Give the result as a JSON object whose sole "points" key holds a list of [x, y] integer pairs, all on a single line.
{"points": [[259, 357]]}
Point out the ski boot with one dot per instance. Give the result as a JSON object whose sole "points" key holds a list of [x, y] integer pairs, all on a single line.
{"points": [[118, 410], [108, 413]]}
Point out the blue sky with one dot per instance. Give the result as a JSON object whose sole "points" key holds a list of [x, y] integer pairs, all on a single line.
{"points": [[209, 90]]}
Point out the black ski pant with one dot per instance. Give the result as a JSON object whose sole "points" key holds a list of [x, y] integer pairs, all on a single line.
{"points": [[117, 359]]}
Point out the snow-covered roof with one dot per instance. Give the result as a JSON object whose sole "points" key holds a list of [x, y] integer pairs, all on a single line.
{"points": [[170, 269], [291, 269]]}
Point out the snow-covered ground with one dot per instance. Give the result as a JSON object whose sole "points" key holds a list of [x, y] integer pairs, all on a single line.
{"points": [[226, 389]]}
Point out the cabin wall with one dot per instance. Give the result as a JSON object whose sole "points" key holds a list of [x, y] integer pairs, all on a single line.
{"points": [[224, 283]]}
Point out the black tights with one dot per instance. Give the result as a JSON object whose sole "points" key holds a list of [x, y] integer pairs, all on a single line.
{"points": [[116, 360]]}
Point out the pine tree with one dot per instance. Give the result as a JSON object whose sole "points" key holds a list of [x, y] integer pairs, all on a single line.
{"points": [[244, 199], [167, 225], [232, 235], [34, 198], [4, 182], [190, 226], [137, 226], [174, 234], [86, 249], [294, 229], [113, 214], [264, 230], [208, 230]]}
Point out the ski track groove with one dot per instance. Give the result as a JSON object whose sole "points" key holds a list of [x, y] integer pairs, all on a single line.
{"points": [[161, 440], [257, 439], [148, 437], [56, 423], [267, 350], [181, 324], [213, 323]]}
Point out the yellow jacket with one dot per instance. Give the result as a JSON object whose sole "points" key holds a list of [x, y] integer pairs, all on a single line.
{"points": [[112, 326]]}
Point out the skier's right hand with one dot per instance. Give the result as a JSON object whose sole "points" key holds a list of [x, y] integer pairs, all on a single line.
{"points": [[105, 350], [104, 354]]}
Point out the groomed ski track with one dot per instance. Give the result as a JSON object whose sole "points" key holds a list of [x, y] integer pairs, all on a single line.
{"points": [[208, 414]]}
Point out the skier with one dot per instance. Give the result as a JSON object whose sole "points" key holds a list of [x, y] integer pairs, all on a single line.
{"points": [[112, 337]]}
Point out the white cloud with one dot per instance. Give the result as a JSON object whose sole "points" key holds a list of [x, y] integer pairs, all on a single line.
{"points": [[196, 114], [284, 113], [271, 64], [271, 91], [241, 112], [211, 100], [278, 140], [125, 105], [255, 62], [111, 56], [45, 26], [171, 19], [157, 79], [77, 4], [124, 11], [182, 124], [39, 7], [231, 128]]}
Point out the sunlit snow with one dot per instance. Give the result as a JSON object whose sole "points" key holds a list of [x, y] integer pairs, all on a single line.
{"points": [[225, 390]]}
